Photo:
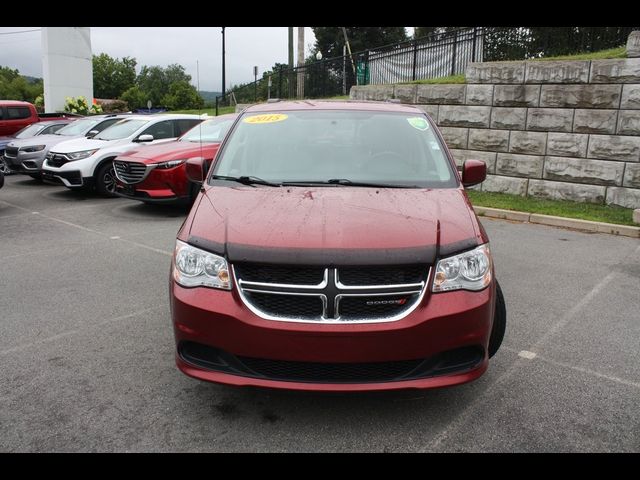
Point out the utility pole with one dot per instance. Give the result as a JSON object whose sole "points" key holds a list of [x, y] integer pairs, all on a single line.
{"points": [[300, 62], [223, 72], [290, 47], [290, 71], [346, 41]]}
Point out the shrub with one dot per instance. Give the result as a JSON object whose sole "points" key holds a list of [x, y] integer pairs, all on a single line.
{"points": [[80, 106], [115, 106]]}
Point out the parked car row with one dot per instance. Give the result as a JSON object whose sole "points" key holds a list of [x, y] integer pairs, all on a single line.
{"points": [[149, 153]]}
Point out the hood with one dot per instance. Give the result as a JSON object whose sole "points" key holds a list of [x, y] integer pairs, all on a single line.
{"points": [[47, 140], [82, 143], [333, 225], [165, 152]]}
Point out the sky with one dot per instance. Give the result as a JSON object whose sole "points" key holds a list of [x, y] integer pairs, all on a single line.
{"points": [[187, 46]]}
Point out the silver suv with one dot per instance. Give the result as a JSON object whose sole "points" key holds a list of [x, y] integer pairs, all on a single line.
{"points": [[27, 155]]}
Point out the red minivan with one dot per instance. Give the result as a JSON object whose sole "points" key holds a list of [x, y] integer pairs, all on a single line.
{"points": [[332, 247], [156, 173]]}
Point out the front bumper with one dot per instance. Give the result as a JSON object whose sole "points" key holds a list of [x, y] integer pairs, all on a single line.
{"points": [[68, 178], [159, 186], [442, 323], [23, 162]]}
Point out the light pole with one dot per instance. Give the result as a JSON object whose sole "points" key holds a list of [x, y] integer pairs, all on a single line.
{"points": [[223, 79]]}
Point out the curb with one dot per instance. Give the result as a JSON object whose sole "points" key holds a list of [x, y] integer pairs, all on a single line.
{"points": [[572, 223]]}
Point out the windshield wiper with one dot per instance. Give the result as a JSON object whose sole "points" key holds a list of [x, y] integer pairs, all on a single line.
{"points": [[349, 183], [247, 180]]}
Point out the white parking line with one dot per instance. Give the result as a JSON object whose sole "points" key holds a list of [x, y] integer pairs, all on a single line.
{"points": [[527, 354], [91, 230], [467, 413], [75, 331]]}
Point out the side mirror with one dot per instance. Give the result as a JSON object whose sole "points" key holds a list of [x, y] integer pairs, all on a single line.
{"points": [[92, 133], [473, 172], [145, 138], [196, 169]]}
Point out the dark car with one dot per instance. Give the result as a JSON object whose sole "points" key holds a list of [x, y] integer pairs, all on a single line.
{"points": [[333, 247]]}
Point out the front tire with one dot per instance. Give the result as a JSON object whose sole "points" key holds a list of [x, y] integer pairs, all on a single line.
{"points": [[499, 323], [106, 180]]}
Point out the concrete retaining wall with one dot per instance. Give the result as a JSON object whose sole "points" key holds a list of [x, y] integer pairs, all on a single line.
{"points": [[561, 130]]}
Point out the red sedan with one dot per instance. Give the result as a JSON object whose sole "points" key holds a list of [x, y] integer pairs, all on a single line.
{"points": [[156, 173]]}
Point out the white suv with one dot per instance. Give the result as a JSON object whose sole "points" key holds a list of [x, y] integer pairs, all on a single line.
{"points": [[88, 162]]}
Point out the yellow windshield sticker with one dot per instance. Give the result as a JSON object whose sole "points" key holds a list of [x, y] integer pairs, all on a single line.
{"points": [[418, 122], [267, 118]]}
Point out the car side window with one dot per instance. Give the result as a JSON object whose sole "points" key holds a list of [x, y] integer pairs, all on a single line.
{"points": [[51, 129], [161, 130], [107, 123], [14, 113], [184, 125]]}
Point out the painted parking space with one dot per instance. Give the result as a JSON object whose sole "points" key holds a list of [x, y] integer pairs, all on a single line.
{"points": [[87, 348]]}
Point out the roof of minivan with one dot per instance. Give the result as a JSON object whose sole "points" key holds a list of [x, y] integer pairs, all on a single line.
{"points": [[333, 105]]}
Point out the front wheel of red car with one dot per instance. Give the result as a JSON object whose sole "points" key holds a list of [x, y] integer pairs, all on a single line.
{"points": [[499, 323]]}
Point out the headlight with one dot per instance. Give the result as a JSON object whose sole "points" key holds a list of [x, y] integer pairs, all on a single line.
{"points": [[197, 268], [467, 271], [81, 155], [170, 164], [33, 148]]}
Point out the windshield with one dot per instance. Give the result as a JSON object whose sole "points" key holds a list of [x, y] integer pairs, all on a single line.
{"points": [[209, 131], [121, 129], [79, 127], [325, 146], [30, 131]]}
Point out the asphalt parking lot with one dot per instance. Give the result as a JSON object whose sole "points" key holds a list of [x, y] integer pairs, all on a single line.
{"points": [[86, 348]]}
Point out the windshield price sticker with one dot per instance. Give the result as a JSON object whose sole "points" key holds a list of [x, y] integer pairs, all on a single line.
{"points": [[270, 118], [418, 122]]}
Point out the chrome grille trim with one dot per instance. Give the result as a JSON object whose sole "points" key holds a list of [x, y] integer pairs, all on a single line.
{"points": [[319, 286], [415, 290], [131, 172]]}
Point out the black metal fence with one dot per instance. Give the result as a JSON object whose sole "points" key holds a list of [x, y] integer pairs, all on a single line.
{"points": [[437, 55], [521, 43]]}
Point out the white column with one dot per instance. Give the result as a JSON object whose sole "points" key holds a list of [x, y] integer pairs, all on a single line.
{"points": [[67, 67]]}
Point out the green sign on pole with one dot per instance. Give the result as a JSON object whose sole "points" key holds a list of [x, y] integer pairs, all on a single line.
{"points": [[362, 72]]}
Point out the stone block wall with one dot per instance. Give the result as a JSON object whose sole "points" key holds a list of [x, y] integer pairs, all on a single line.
{"points": [[554, 129]]}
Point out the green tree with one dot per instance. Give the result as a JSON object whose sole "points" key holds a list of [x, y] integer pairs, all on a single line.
{"points": [[329, 40], [14, 86], [135, 97], [157, 82], [111, 76], [182, 95], [153, 82]]}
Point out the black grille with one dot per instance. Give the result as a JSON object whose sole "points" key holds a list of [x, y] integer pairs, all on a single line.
{"points": [[330, 372], [449, 362], [55, 160], [254, 272], [286, 305], [130, 172], [373, 307], [11, 152], [382, 275]]}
